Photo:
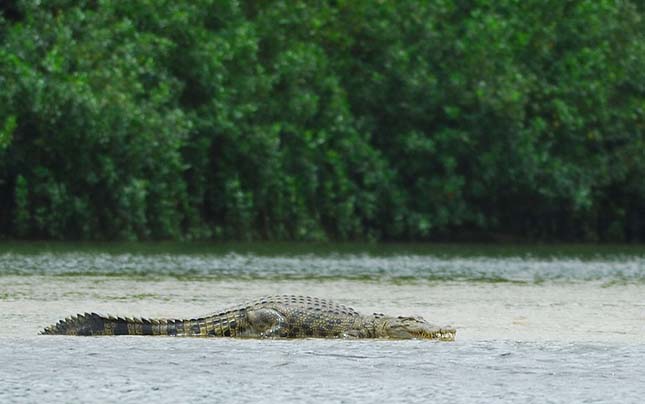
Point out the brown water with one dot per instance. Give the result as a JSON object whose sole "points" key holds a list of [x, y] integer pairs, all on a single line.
{"points": [[558, 326]]}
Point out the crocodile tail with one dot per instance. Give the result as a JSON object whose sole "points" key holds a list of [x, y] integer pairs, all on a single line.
{"points": [[98, 324]]}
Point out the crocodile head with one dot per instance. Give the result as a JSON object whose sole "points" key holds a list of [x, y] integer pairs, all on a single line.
{"points": [[414, 327]]}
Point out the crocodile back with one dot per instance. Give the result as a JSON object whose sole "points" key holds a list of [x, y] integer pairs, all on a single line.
{"points": [[307, 316]]}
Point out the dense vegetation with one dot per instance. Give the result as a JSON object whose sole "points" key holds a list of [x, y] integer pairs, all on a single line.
{"points": [[342, 120]]}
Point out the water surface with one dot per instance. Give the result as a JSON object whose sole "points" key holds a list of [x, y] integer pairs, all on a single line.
{"points": [[535, 324]]}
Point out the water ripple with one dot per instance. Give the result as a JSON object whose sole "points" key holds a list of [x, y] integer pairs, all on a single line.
{"points": [[395, 268], [409, 371]]}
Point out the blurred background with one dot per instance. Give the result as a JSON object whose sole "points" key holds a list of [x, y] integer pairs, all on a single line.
{"points": [[338, 120]]}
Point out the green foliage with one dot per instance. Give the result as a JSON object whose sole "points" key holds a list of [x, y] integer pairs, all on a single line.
{"points": [[322, 120], [22, 209], [6, 133]]}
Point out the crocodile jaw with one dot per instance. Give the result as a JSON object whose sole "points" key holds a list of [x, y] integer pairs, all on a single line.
{"points": [[414, 328]]}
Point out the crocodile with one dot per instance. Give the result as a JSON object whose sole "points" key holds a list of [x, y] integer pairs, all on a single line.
{"points": [[284, 316]]}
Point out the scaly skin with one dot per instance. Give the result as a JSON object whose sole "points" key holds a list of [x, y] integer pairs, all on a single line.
{"points": [[269, 317]]}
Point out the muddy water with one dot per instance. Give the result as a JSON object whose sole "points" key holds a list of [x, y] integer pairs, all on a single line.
{"points": [[534, 324]]}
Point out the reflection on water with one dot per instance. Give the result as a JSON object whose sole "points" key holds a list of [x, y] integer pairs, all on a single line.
{"points": [[557, 327]]}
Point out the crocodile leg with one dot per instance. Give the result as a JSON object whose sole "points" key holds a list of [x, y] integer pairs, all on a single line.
{"points": [[267, 323]]}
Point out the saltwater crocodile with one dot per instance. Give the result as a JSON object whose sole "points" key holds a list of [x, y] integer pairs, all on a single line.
{"points": [[283, 316]]}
